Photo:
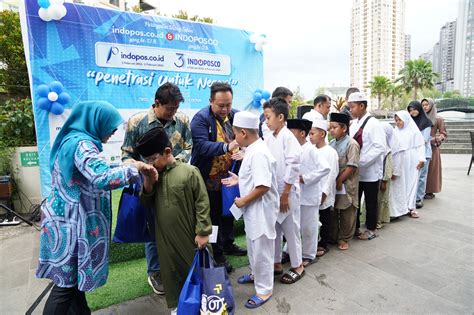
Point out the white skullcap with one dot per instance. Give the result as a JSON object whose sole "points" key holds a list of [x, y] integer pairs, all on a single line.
{"points": [[320, 124], [246, 120], [357, 97]]}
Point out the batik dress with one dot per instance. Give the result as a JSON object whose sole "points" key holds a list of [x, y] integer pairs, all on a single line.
{"points": [[75, 231]]}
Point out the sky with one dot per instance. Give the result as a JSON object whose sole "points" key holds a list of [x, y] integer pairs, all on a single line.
{"points": [[309, 41]]}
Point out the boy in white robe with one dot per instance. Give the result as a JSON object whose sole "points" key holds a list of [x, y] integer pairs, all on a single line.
{"points": [[287, 151], [317, 137], [259, 203], [313, 169]]}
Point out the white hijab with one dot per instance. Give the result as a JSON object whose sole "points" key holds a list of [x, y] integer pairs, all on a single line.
{"points": [[408, 137]]}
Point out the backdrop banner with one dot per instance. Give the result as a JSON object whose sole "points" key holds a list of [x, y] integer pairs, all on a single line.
{"points": [[80, 53]]}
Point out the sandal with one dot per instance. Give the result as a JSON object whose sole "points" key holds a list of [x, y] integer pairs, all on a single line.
{"points": [[367, 236], [429, 196], [246, 279], [357, 233], [321, 251], [285, 258], [308, 261], [291, 276], [413, 214], [343, 245], [256, 301]]}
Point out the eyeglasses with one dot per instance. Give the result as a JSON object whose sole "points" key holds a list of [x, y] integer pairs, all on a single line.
{"points": [[150, 159]]}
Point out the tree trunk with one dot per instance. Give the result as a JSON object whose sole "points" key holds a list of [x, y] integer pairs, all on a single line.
{"points": [[415, 92], [379, 96]]}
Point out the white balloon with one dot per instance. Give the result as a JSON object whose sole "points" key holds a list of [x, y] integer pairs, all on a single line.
{"points": [[258, 47], [53, 2], [55, 11], [63, 11], [44, 14], [53, 96], [253, 38]]}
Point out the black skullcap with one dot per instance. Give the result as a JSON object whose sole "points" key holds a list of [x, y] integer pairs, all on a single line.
{"points": [[301, 124], [153, 141], [340, 118]]}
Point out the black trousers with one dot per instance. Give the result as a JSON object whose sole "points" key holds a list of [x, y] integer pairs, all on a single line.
{"points": [[225, 236], [324, 231], [370, 191], [66, 301]]}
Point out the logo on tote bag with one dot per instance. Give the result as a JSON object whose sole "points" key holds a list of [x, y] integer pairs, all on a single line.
{"points": [[213, 304]]}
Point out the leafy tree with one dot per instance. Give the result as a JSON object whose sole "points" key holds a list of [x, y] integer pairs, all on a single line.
{"points": [[183, 15], [452, 94], [339, 103], [17, 126], [378, 87], [394, 91], [417, 74], [13, 71], [298, 99]]}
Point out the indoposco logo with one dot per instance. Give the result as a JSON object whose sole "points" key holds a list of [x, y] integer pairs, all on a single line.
{"points": [[169, 36]]}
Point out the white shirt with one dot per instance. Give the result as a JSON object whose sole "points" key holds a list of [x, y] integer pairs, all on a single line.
{"points": [[313, 169], [287, 152], [373, 148], [259, 169], [328, 154], [313, 115]]}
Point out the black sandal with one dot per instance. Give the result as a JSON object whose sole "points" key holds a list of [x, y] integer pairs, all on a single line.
{"points": [[291, 276], [307, 261]]}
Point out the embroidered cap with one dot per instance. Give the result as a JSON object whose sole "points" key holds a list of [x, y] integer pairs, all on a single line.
{"points": [[357, 97], [246, 120], [320, 124]]}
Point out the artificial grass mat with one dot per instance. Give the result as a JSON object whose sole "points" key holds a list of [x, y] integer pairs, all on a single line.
{"points": [[128, 269]]}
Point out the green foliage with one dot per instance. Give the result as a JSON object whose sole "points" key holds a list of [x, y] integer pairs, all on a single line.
{"points": [[378, 87], [6, 155], [417, 74], [452, 94], [17, 127], [183, 15], [456, 102], [394, 92], [298, 99], [13, 71]]}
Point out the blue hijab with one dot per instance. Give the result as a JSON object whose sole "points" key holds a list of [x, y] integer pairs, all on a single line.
{"points": [[92, 121]]}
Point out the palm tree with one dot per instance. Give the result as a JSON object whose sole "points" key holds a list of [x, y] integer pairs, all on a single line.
{"points": [[394, 91], [417, 74], [378, 87]]}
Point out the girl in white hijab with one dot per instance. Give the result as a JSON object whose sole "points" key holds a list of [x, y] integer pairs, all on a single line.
{"points": [[408, 150]]}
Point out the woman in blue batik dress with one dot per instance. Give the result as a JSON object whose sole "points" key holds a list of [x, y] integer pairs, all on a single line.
{"points": [[75, 231]]}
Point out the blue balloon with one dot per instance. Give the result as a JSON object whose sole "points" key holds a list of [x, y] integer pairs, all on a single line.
{"points": [[63, 98], [44, 103], [44, 3], [57, 108], [56, 86], [257, 96], [42, 90], [256, 104], [265, 94], [258, 91]]}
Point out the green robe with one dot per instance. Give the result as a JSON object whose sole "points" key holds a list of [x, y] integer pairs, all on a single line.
{"points": [[182, 211]]}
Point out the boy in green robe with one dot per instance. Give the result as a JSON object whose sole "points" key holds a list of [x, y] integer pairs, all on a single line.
{"points": [[182, 212]]}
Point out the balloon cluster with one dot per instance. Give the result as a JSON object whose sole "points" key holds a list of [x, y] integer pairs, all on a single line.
{"points": [[260, 96], [52, 97], [51, 10], [259, 40]]}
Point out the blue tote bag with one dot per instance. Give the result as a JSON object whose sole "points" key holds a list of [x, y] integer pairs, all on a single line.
{"points": [[229, 193], [189, 302], [135, 223], [217, 294]]}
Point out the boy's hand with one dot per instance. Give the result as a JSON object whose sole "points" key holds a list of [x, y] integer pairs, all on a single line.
{"points": [[323, 198], [230, 181], [301, 179], [238, 156], [201, 241], [338, 184], [284, 205], [394, 177], [239, 202], [420, 165], [383, 186]]}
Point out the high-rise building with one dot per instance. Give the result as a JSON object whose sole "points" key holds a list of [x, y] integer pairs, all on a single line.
{"points": [[447, 39], [427, 56], [407, 47], [464, 52], [377, 40]]}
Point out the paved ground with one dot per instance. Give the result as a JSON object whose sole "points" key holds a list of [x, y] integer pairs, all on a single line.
{"points": [[414, 266]]}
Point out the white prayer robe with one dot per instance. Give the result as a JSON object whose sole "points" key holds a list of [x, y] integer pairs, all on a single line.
{"points": [[328, 183], [373, 148], [313, 169], [259, 169], [287, 152]]}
